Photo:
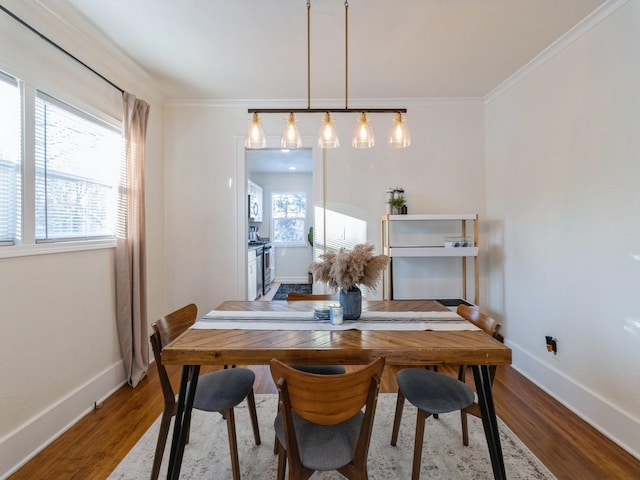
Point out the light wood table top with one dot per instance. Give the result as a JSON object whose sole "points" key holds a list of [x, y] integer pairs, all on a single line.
{"points": [[256, 347]]}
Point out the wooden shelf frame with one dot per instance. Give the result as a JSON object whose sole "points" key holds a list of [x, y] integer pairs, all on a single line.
{"points": [[399, 251]]}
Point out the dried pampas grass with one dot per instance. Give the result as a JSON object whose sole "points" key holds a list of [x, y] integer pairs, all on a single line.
{"points": [[345, 269]]}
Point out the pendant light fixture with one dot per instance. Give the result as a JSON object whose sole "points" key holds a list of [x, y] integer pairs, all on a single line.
{"points": [[254, 137], [399, 137], [291, 135], [363, 134], [327, 138]]}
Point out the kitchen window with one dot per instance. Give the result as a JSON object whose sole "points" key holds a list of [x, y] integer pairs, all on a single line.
{"points": [[289, 218]]}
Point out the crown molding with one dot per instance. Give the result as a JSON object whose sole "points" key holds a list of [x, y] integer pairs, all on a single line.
{"points": [[595, 18]]}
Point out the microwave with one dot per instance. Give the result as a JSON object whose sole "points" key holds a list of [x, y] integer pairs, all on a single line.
{"points": [[255, 209]]}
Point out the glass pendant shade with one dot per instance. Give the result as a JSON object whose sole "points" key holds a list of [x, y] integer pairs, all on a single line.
{"points": [[399, 137], [254, 137], [327, 137], [291, 135], [363, 135]]}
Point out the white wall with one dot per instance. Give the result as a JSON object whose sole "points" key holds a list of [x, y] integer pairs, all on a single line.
{"points": [[563, 170], [559, 230], [443, 171], [59, 351]]}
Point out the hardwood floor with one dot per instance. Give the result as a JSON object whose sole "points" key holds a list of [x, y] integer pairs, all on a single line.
{"points": [[569, 447]]}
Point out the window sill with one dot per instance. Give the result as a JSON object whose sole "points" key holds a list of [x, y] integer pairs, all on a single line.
{"points": [[52, 248]]}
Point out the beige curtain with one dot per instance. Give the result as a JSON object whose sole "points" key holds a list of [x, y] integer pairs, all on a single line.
{"points": [[131, 292]]}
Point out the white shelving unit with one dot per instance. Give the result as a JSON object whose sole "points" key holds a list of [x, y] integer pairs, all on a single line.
{"points": [[397, 248]]}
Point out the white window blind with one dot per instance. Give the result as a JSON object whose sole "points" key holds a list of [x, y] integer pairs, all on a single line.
{"points": [[10, 159], [78, 159]]}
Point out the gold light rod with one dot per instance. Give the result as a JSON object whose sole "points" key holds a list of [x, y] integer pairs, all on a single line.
{"points": [[325, 110]]}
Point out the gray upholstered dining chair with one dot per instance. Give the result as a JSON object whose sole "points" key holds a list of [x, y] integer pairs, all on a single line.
{"points": [[218, 391], [431, 393], [320, 425]]}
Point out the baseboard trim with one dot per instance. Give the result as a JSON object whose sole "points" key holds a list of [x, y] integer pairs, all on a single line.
{"points": [[24, 443], [303, 279], [615, 424]]}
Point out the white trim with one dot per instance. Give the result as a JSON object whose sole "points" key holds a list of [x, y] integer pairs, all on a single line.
{"points": [[51, 248], [617, 425], [591, 21], [25, 442]]}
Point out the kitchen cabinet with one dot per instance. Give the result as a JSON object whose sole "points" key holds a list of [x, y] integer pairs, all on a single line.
{"points": [[428, 236], [252, 275]]}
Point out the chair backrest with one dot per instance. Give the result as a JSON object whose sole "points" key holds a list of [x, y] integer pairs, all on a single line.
{"points": [[164, 331], [293, 296], [328, 399], [485, 322]]}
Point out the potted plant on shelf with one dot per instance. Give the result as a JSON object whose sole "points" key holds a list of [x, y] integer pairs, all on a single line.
{"points": [[345, 270], [396, 204]]}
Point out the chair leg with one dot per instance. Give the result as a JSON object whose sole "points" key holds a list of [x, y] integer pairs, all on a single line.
{"points": [[162, 441], [254, 416], [465, 429], [397, 418], [233, 443], [282, 460], [417, 448], [275, 444]]}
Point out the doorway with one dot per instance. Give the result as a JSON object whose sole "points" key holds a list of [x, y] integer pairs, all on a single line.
{"points": [[279, 173]]}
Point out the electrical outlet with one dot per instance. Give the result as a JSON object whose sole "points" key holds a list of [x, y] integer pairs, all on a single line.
{"points": [[552, 344]]}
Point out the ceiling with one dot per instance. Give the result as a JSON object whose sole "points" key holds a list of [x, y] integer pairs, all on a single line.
{"points": [[257, 49]]}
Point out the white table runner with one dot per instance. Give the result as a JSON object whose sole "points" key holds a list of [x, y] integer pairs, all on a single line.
{"points": [[408, 321]]}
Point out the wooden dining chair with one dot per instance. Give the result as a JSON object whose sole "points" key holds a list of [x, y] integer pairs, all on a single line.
{"points": [[218, 391], [320, 425], [293, 296], [318, 369], [491, 327]]}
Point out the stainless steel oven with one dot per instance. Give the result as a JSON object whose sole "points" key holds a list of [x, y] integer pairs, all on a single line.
{"points": [[268, 267]]}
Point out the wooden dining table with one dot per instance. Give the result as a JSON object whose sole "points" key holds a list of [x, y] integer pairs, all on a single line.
{"points": [[237, 346]]}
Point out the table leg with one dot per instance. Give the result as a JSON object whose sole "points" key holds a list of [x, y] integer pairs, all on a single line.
{"points": [[482, 378], [183, 419]]}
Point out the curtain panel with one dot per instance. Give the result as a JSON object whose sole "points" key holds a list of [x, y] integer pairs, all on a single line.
{"points": [[130, 257]]}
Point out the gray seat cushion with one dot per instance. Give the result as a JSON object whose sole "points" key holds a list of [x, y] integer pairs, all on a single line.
{"points": [[321, 369], [224, 389], [323, 447], [433, 392]]}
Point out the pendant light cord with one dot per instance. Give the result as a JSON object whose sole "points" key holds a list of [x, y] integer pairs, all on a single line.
{"points": [[346, 55], [308, 54], [346, 108]]}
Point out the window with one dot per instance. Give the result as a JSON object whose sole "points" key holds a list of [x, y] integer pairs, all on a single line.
{"points": [[289, 215], [10, 159], [77, 158], [60, 170]]}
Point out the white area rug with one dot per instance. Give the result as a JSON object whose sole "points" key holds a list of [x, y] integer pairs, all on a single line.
{"points": [[443, 456]]}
